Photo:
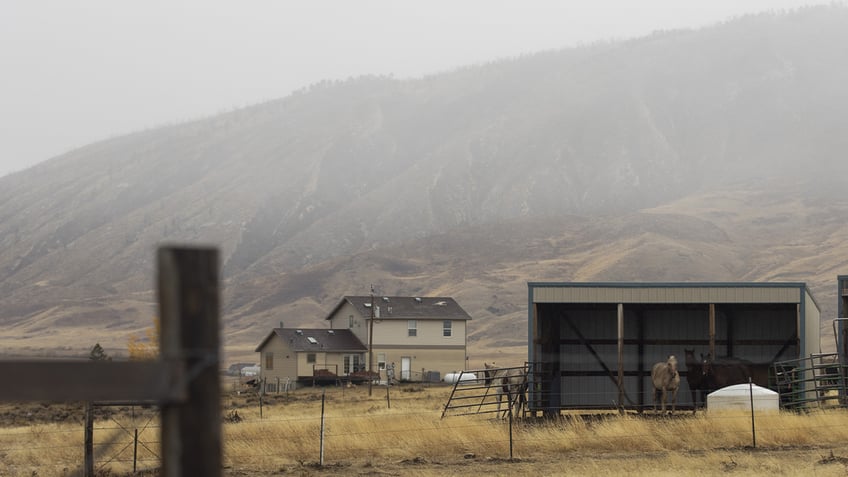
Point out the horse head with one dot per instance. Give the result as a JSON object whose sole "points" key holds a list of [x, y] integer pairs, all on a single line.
{"points": [[689, 357], [706, 364], [672, 363], [489, 373]]}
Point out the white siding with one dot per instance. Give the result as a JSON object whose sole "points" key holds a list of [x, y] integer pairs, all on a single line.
{"points": [[812, 325], [341, 321], [429, 350], [285, 361], [429, 333]]}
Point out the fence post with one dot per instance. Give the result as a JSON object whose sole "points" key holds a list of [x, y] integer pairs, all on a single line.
{"points": [[753, 429], [187, 286], [262, 384], [509, 404], [89, 440], [321, 451], [135, 450]]}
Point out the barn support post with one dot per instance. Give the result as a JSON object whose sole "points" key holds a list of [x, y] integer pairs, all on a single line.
{"points": [[189, 307], [640, 320], [621, 358], [712, 329]]}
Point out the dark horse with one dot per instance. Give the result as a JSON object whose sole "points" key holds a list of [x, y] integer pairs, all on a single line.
{"points": [[695, 376], [721, 372], [707, 374]]}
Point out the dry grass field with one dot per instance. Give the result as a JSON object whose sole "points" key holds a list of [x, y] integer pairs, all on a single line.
{"points": [[404, 435]]}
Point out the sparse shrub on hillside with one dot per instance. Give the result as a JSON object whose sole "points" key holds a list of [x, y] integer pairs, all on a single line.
{"points": [[146, 347]]}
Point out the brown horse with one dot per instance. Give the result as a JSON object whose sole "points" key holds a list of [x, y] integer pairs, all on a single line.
{"points": [[666, 380], [722, 372]]}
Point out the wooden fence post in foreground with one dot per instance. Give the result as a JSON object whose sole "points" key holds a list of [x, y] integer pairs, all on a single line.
{"points": [[184, 381], [189, 308]]}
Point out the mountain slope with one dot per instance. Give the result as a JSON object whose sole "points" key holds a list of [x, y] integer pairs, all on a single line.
{"points": [[688, 155]]}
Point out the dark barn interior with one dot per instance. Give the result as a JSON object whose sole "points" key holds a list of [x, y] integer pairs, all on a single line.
{"points": [[580, 356]]}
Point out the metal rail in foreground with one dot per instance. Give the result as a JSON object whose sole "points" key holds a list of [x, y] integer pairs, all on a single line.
{"points": [[480, 394]]}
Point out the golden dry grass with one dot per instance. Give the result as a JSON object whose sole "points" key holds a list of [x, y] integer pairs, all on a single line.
{"points": [[362, 435]]}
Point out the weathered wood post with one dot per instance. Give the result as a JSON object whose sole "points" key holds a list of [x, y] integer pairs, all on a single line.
{"points": [[184, 381], [189, 308], [89, 440]]}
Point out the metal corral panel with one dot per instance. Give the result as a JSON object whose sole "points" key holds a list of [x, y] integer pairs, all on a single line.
{"points": [[666, 293], [575, 343]]}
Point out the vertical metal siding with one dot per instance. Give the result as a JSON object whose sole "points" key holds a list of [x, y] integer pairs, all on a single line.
{"points": [[665, 294]]}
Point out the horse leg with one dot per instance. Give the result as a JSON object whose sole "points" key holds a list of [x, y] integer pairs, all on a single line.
{"points": [[656, 393], [662, 402], [500, 398], [694, 400], [673, 400]]}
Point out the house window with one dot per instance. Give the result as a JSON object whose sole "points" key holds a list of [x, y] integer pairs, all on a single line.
{"points": [[446, 328], [310, 358], [381, 361], [352, 363], [350, 321], [412, 326], [269, 360]]}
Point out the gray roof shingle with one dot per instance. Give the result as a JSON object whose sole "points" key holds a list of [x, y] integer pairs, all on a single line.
{"points": [[316, 339], [407, 307]]}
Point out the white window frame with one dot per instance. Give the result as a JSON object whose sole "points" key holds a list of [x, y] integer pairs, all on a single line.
{"points": [[412, 328], [350, 362], [447, 328]]}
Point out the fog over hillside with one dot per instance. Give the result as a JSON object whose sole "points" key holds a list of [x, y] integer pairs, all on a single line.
{"points": [[683, 156]]}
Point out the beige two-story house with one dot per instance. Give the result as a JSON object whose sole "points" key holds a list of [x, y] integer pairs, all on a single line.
{"points": [[418, 338], [289, 355]]}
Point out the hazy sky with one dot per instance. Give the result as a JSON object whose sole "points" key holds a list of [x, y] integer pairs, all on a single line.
{"points": [[74, 72]]}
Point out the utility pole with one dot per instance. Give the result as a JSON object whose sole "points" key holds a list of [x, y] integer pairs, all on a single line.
{"points": [[371, 345]]}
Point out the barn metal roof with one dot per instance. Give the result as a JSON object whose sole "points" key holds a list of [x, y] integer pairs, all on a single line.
{"points": [[670, 292]]}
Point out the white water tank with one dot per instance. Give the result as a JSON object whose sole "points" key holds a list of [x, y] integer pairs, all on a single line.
{"points": [[738, 398], [463, 377]]}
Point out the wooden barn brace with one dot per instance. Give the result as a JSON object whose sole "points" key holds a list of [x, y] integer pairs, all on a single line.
{"points": [[592, 345]]}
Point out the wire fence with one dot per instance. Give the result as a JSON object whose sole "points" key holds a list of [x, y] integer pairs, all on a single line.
{"points": [[404, 423]]}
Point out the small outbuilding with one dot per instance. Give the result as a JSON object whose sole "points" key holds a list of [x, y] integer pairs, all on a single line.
{"points": [[592, 345]]}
